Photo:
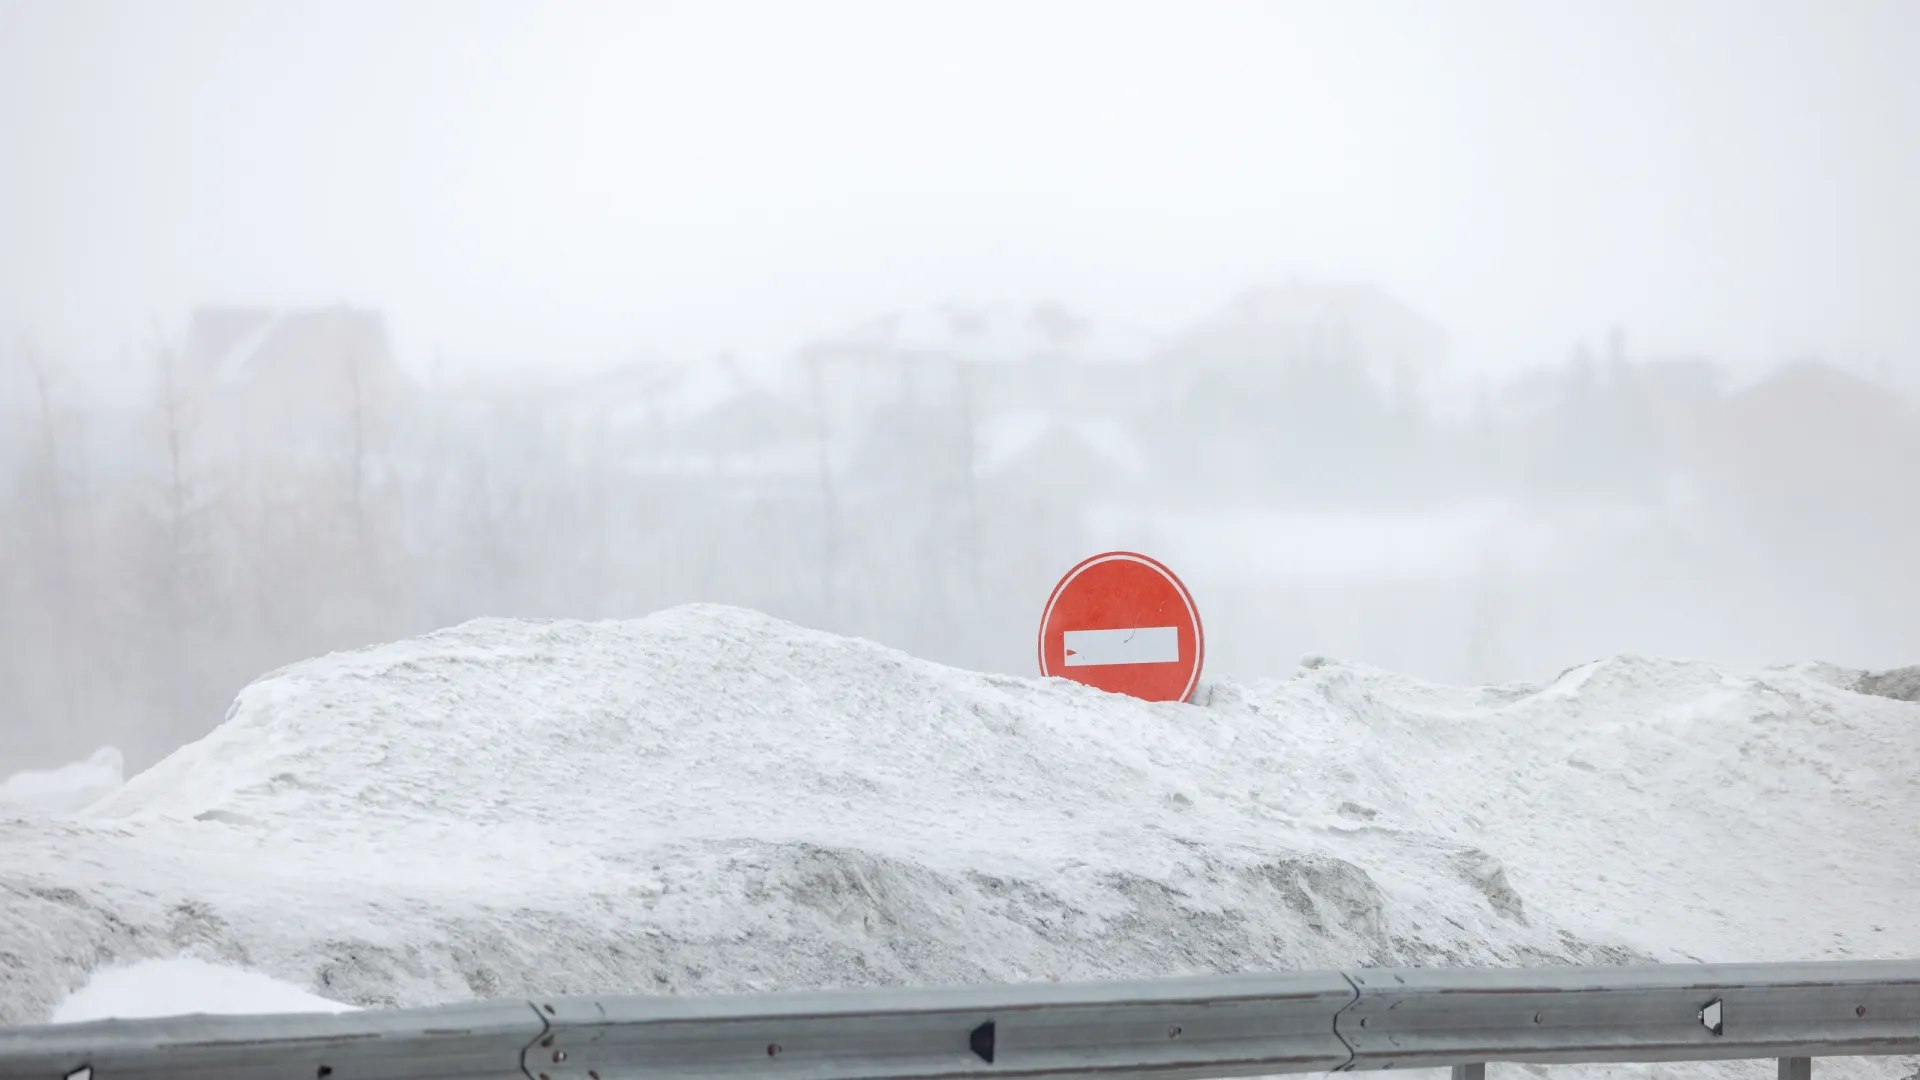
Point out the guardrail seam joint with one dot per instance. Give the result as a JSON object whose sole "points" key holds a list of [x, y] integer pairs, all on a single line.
{"points": [[526, 1052], [1341, 1011]]}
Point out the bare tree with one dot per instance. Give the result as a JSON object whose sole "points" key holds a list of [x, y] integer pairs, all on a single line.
{"points": [[969, 435], [829, 540], [174, 646], [352, 364], [52, 510]]}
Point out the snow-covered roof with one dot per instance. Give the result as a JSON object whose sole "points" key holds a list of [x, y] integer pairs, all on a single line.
{"points": [[786, 462], [753, 418], [1003, 440], [1317, 318], [675, 393], [230, 345], [1000, 332], [231, 364]]}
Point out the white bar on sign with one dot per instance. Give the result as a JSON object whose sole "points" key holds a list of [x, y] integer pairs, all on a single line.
{"points": [[1133, 645]]}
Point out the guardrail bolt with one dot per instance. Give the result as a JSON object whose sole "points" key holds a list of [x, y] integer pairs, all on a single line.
{"points": [[1859, 1010], [1536, 1018], [1713, 1017], [1173, 1032], [548, 1041], [773, 1049], [325, 1071], [559, 1056], [981, 1041]]}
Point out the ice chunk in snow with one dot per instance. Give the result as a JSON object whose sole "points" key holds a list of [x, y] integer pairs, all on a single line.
{"points": [[181, 986]]}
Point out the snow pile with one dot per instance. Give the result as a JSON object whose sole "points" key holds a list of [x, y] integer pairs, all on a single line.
{"points": [[184, 985], [711, 800], [67, 789]]}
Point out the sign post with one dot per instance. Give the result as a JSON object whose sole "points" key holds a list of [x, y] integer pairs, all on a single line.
{"points": [[1125, 624]]}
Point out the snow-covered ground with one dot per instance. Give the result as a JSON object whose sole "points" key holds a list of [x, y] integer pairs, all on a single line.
{"points": [[711, 800], [149, 988]]}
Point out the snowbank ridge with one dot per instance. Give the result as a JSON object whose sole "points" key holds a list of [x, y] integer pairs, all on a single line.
{"points": [[709, 799], [68, 789]]}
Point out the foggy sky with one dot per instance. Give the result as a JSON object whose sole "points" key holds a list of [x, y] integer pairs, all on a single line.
{"points": [[564, 183]]}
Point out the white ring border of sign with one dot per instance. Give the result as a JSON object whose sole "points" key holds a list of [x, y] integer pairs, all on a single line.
{"points": [[1180, 587]]}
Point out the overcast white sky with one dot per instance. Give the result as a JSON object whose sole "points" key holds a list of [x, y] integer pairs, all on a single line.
{"points": [[572, 182]]}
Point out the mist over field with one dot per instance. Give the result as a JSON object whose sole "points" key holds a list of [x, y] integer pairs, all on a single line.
{"points": [[1473, 341]]}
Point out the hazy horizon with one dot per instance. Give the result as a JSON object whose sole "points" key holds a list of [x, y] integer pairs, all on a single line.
{"points": [[574, 184], [1462, 465]]}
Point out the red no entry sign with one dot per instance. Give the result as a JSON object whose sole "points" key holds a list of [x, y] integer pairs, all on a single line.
{"points": [[1122, 622]]}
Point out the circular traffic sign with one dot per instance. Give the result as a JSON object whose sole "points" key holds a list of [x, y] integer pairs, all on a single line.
{"points": [[1125, 624]]}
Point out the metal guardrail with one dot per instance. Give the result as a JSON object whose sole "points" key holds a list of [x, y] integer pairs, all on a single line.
{"points": [[1243, 1025]]}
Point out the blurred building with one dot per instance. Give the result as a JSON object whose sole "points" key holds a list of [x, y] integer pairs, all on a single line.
{"points": [[979, 360], [1816, 445], [303, 382], [1318, 324]]}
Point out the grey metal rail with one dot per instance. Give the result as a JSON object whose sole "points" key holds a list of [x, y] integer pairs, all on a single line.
{"points": [[1243, 1025]]}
